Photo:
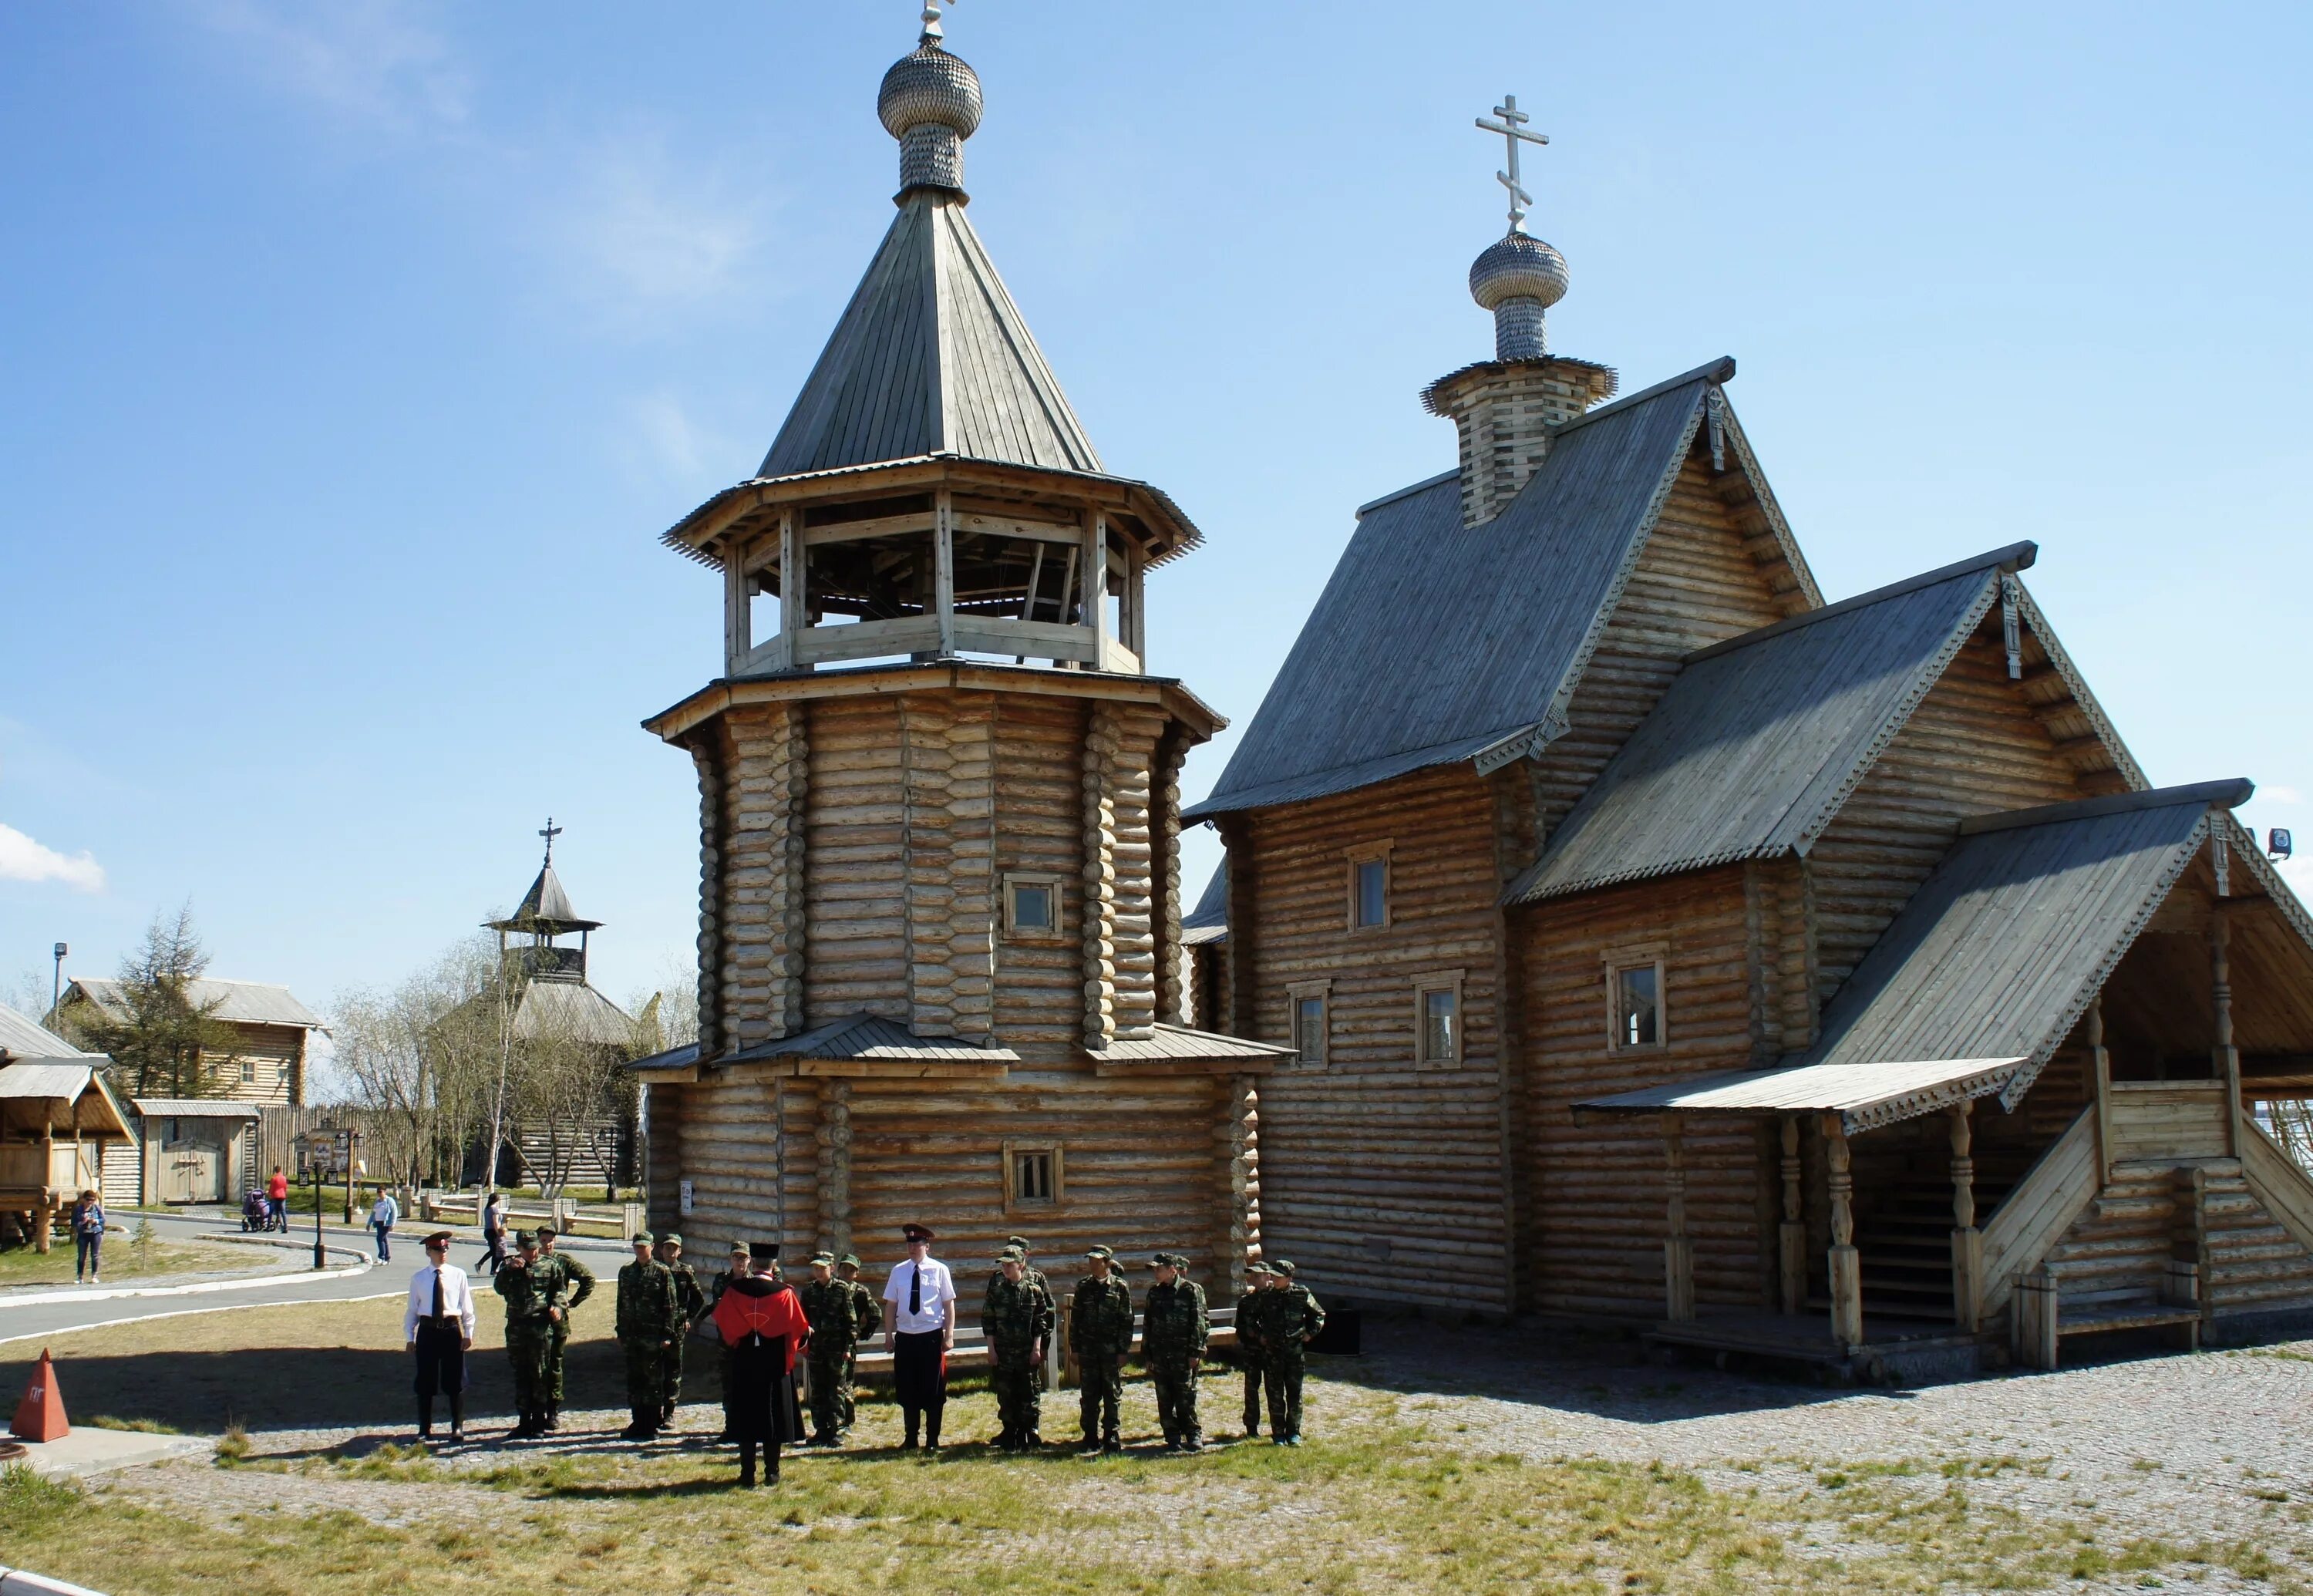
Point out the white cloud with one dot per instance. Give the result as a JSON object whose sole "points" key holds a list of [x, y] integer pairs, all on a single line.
{"points": [[2280, 794], [23, 859], [645, 233], [367, 60]]}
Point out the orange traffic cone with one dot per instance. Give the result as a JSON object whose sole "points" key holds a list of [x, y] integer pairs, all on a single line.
{"points": [[41, 1415]]}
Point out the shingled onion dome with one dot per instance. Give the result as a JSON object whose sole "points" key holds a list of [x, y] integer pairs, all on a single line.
{"points": [[1518, 278], [931, 102]]}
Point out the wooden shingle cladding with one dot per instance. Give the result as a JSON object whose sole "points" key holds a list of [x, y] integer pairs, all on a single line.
{"points": [[1378, 1166]]}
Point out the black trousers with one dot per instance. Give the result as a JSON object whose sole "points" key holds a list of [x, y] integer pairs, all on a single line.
{"points": [[920, 1380], [441, 1358]]}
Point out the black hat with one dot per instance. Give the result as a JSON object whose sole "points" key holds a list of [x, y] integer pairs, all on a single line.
{"points": [[918, 1232], [759, 1251]]}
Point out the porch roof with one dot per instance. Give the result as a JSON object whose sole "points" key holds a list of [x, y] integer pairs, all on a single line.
{"points": [[1865, 1096]]}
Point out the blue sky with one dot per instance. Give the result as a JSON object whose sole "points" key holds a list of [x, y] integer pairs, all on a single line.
{"points": [[357, 354]]}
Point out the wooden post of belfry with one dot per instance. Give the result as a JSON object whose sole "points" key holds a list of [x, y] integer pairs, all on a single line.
{"points": [[1968, 1241], [1792, 1233], [1678, 1247], [47, 1219], [943, 568], [1846, 1263], [2227, 1056], [2100, 1060]]}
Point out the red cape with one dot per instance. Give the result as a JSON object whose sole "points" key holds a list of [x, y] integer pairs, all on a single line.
{"points": [[773, 1312]]}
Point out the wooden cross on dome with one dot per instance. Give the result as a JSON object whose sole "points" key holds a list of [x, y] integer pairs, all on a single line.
{"points": [[552, 832], [1512, 128]]}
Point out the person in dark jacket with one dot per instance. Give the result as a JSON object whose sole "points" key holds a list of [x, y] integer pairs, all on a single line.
{"points": [[88, 1239], [1174, 1331], [762, 1323], [1100, 1334]]}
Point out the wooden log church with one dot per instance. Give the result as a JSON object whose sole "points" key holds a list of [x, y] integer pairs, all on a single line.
{"points": [[1656, 941]]}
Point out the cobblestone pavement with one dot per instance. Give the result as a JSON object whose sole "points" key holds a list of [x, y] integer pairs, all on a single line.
{"points": [[2189, 1448]]}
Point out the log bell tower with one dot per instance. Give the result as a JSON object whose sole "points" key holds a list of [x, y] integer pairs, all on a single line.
{"points": [[939, 943]]}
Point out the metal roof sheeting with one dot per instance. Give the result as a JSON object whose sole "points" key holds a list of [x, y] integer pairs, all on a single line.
{"points": [[1864, 1096], [193, 1108], [1434, 639], [545, 907], [872, 1039], [246, 1002], [930, 356], [1178, 1044], [1208, 921], [22, 1037], [570, 1012], [1756, 743], [2001, 950]]}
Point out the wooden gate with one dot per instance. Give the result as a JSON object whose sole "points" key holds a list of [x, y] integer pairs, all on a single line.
{"points": [[192, 1171]]}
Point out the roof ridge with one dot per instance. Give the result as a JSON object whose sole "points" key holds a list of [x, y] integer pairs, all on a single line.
{"points": [[2014, 557], [1422, 486], [1714, 370], [2227, 794]]}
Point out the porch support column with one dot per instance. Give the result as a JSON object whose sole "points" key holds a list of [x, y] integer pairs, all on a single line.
{"points": [[738, 623], [1791, 1235], [1968, 1241], [47, 1216], [1846, 1263], [2220, 986], [2100, 1062], [1678, 1249], [794, 585], [944, 569]]}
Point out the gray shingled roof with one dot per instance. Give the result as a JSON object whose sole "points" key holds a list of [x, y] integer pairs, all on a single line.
{"points": [[547, 908], [1757, 741], [1433, 640], [22, 1037], [870, 1037], [931, 356], [247, 1002], [2000, 951], [1208, 921], [571, 1011]]}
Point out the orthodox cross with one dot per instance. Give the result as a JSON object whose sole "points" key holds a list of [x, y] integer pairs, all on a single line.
{"points": [[931, 34], [1512, 128], [552, 832]]}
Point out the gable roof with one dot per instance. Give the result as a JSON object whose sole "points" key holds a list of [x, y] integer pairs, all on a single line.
{"points": [[22, 1037], [244, 1003], [931, 356], [1435, 641], [1998, 953], [1757, 741]]}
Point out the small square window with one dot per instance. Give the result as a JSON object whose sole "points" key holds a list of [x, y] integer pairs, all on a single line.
{"points": [[1437, 1019], [1034, 1174], [1638, 1005], [1032, 906]]}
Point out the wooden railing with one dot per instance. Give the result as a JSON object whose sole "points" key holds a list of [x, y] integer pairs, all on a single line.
{"points": [[621, 1220], [2040, 1210], [2278, 1181]]}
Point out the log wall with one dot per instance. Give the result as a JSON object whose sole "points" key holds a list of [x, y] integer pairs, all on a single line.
{"points": [[1376, 1168], [1599, 1194]]}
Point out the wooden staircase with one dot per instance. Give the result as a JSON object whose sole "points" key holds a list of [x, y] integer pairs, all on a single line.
{"points": [[1904, 1234]]}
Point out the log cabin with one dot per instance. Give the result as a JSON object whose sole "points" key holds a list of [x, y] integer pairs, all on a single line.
{"points": [[57, 1121], [1660, 944], [940, 972]]}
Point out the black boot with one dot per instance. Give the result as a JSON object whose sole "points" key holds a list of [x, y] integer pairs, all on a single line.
{"points": [[746, 1464], [931, 1429], [635, 1430], [425, 1418], [1111, 1442], [457, 1416], [553, 1419]]}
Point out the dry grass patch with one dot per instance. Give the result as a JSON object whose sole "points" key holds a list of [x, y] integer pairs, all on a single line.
{"points": [[126, 1263]]}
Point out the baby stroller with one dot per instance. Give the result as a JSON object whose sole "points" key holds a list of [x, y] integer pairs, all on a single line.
{"points": [[255, 1213]]}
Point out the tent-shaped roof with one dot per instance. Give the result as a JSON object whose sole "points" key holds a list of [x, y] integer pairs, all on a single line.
{"points": [[244, 1003], [1750, 752], [545, 907], [931, 356], [1435, 641]]}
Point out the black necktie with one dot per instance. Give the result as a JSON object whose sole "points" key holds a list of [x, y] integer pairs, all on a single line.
{"points": [[915, 1288], [438, 1312]]}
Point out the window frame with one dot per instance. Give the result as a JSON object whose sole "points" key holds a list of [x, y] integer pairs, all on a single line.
{"points": [[1014, 880], [1014, 1150], [248, 1070], [1616, 961], [1436, 981], [1356, 858], [1296, 994]]}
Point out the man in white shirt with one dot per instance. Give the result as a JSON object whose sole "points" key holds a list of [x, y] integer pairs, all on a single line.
{"points": [[382, 1218], [438, 1324], [919, 1331]]}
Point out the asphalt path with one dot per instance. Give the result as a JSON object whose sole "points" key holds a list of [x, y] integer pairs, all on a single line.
{"points": [[352, 1276]]}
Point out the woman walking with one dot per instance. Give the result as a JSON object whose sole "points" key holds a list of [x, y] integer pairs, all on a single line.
{"points": [[762, 1325], [494, 1218], [88, 1239]]}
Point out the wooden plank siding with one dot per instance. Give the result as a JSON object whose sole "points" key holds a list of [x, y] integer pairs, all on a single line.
{"points": [[1599, 1218], [1374, 1167], [1972, 746]]}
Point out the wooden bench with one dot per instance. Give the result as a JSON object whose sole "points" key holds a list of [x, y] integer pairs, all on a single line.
{"points": [[2040, 1317]]}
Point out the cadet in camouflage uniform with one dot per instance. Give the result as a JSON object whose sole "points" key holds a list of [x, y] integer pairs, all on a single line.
{"points": [[578, 1285], [650, 1326], [532, 1288], [871, 1325], [737, 1266], [1018, 1323], [1028, 1269], [1100, 1334], [1250, 1355], [1289, 1318], [1173, 1332], [692, 1298], [834, 1315]]}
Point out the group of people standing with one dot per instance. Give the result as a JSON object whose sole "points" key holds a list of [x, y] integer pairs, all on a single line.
{"points": [[767, 1328]]}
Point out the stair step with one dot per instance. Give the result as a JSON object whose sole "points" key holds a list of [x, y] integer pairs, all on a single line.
{"points": [[2232, 1272], [2261, 1292]]}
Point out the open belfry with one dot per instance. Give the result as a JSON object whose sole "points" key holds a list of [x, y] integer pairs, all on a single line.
{"points": [[940, 968]]}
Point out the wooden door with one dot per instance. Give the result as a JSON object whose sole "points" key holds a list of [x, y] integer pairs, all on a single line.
{"points": [[192, 1171]]}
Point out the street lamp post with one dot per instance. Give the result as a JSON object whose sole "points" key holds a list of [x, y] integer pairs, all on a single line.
{"points": [[57, 985], [320, 1257]]}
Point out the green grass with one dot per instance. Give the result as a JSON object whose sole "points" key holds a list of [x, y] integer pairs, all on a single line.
{"points": [[123, 1260]]}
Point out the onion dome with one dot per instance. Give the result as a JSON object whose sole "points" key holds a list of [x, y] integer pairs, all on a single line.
{"points": [[1518, 278], [931, 102]]}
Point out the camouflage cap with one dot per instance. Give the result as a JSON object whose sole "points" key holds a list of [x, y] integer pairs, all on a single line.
{"points": [[849, 1260], [738, 1249], [1010, 1254], [1019, 1242], [827, 1258], [526, 1238], [643, 1239], [1167, 1260], [545, 1230], [669, 1239], [1104, 1253], [1258, 1267], [1281, 1267]]}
